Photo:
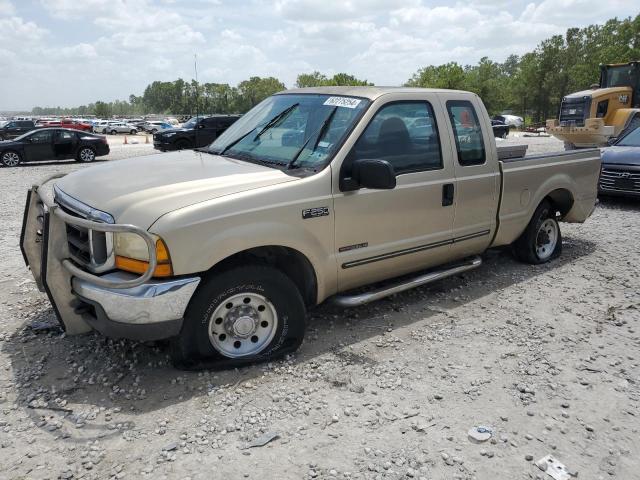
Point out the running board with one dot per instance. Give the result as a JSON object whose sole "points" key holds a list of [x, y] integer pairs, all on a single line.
{"points": [[356, 300]]}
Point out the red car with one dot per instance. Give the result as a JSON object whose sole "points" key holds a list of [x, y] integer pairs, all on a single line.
{"points": [[68, 123]]}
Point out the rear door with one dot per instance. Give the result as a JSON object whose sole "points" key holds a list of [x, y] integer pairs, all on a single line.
{"points": [[386, 233], [476, 171], [39, 146], [64, 143]]}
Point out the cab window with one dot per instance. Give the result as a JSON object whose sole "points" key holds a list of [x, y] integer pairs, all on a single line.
{"points": [[403, 133], [467, 132], [41, 137]]}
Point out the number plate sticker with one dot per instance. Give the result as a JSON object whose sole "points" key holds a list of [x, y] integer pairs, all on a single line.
{"points": [[342, 102]]}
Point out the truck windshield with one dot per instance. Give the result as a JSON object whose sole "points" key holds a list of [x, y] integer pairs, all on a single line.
{"points": [[621, 76], [305, 129]]}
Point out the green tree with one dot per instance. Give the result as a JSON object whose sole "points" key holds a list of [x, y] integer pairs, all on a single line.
{"points": [[102, 110]]}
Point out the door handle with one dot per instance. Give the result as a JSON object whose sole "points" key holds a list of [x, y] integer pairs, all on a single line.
{"points": [[447, 194]]}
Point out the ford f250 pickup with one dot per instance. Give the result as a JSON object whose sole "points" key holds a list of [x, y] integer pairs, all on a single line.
{"points": [[310, 196]]}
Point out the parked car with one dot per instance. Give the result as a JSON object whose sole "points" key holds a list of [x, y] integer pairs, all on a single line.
{"points": [[511, 120], [15, 128], [52, 144], [120, 127], [224, 250], [67, 123], [156, 125], [620, 173], [197, 132], [100, 126], [500, 129]]}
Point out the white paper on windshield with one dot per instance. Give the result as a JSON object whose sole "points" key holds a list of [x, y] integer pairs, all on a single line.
{"points": [[342, 102]]}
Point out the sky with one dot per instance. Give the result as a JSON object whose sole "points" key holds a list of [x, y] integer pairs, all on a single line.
{"points": [[73, 52]]}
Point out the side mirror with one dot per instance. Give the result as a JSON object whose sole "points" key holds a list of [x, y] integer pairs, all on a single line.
{"points": [[371, 173]]}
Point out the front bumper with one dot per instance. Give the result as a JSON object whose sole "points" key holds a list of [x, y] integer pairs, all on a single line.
{"points": [[151, 311], [594, 134], [117, 304]]}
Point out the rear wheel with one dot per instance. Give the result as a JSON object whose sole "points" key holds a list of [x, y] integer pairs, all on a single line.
{"points": [[133, 131], [113, 132], [245, 315], [505, 134], [86, 155], [154, 131], [11, 158], [541, 241]]}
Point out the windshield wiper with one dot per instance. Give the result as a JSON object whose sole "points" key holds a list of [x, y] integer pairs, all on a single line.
{"points": [[269, 124], [317, 135], [275, 120]]}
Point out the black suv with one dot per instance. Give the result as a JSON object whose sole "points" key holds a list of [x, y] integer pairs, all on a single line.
{"points": [[15, 128], [197, 132]]}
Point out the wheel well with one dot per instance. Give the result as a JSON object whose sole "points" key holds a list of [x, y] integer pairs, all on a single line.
{"points": [[288, 260], [561, 199]]}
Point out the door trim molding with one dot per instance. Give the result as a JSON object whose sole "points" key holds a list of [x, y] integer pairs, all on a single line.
{"points": [[408, 251]]}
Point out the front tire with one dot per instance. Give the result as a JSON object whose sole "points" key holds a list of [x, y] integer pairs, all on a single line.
{"points": [[541, 241], [241, 316], [10, 158], [86, 155], [133, 132]]}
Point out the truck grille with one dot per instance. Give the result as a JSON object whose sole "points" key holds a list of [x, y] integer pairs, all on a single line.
{"points": [[620, 181], [90, 249], [574, 111]]}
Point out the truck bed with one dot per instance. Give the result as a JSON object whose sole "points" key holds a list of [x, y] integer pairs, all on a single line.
{"points": [[526, 181]]}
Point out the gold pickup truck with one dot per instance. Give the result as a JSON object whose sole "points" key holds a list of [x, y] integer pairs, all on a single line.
{"points": [[310, 196]]}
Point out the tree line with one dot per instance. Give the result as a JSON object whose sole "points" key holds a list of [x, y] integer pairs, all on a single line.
{"points": [[530, 85]]}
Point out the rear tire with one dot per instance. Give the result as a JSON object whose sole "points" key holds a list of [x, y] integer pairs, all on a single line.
{"points": [[241, 316], [541, 241], [10, 158], [114, 132], [505, 134], [133, 132], [86, 155]]}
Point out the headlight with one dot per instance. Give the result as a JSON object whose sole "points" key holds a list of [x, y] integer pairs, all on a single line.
{"points": [[132, 254]]}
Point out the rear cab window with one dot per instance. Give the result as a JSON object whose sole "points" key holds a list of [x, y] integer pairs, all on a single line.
{"points": [[467, 132]]}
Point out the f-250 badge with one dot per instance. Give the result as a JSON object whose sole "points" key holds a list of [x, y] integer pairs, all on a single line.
{"points": [[315, 212]]}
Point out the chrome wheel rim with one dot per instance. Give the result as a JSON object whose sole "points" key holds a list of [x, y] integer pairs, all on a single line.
{"points": [[546, 239], [87, 155], [243, 325], [10, 159]]}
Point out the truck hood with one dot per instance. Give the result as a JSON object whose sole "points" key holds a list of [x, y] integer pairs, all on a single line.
{"points": [[620, 155], [140, 190]]}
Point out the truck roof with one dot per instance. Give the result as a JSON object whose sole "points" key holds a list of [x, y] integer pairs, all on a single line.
{"points": [[367, 92]]}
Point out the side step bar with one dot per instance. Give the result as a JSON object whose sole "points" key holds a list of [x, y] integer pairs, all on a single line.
{"points": [[356, 300]]}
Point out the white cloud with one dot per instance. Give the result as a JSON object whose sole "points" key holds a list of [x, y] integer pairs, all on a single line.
{"points": [[111, 48], [6, 7]]}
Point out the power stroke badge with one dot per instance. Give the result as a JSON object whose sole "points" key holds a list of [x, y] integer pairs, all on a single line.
{"points": [[315, 212]]}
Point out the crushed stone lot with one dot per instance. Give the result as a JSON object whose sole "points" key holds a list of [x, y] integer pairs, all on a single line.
{"points": [[546, 357]]}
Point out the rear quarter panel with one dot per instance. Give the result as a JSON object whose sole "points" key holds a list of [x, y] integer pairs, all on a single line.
{"points": [[526, 182]]}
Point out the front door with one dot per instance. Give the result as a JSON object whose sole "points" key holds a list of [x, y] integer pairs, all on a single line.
{"points": [[39, 145], [385, 233]]}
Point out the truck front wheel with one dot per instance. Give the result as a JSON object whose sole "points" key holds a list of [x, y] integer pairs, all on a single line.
{"points": [[541, 241], [241, 316]]}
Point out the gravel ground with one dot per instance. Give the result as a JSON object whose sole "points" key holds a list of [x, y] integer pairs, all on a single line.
{"points": [[545, 356]]}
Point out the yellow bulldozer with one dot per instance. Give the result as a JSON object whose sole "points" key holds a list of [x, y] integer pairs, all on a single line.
{"points": [[596, 117]]}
